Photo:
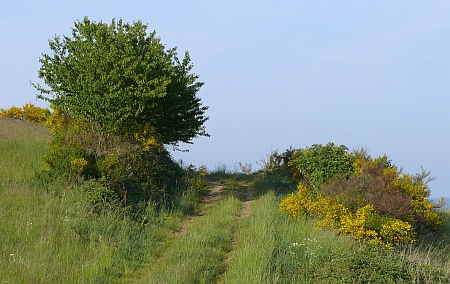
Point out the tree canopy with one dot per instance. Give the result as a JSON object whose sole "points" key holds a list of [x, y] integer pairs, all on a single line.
{"points": [[124, 80]]}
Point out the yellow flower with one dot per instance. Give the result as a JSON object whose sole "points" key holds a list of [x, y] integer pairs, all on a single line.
{"points": [[397, 232], [79, 164], [147, 138]]}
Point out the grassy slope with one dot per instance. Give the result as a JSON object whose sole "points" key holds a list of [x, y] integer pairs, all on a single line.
{"points": [[48, 238], [22, 225], [38, 243], [51, 235]]}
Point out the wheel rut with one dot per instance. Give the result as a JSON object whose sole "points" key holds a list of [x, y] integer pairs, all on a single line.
{"points": [[243, 214], [214, 194]]}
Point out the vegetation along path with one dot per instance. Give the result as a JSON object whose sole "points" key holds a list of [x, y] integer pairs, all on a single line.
{"points": [[57, 233], [201, 248], [239, 236]]}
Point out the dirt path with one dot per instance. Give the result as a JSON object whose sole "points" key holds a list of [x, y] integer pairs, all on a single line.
{"points": [[244, 212], [246, 206], [215, 193]]}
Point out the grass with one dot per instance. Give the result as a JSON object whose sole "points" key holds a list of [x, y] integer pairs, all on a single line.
{"points": [[256, 239], [273, 249], [197, 255], [22, 146], [55, 233], [66, 233]]}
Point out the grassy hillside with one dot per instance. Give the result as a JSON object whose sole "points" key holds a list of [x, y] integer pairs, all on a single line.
{"points": [[53, 233]]}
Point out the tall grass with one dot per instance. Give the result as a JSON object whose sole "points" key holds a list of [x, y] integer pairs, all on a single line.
{"points": [[22, 145], [61, 240], [224, 172], [67, 233], [256, 242], [197, 255], [273, 249], [56, 233]]}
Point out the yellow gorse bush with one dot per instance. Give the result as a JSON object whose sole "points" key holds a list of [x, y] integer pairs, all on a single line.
{"points": [[147, 138], [66, 154], [55, 120], [362, 225], [14, 112], [357, 167], [29, 112], [356, 225], [397, 232], [79, 164], [332, 213], [367, 198], [296, 205], [419, 201]]}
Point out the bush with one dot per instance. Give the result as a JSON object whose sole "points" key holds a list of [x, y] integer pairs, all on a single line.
{"points": [[123, 79], [28, 112], [119, 98], [318, 164], [373, 185], [136, 166], [364, 224], [275, 172], [278, 162], [369, 199]]}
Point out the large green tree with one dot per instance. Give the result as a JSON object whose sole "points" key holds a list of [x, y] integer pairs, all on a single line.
{"points": [[123, 80], [119, 97]]}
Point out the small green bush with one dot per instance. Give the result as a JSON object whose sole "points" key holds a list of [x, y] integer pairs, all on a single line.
{"points": [[318, 164]]}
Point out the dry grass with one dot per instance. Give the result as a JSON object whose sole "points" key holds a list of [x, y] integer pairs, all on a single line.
{"points": [[22, 145], [15, 129]]}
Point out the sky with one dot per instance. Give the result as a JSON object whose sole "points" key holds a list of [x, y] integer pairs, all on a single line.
{"points": [[371, 74]]}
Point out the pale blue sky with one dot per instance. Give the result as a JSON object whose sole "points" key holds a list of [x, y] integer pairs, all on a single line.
{"points": [[372, 74]]}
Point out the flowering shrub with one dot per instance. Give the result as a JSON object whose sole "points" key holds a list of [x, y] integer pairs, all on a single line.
{"points": [[79, 164], [373, 184], [422, 214], [28, 112], [365, 224], [376, 202], [66, 155], [396, 232], [135, 166], [296, 205], [147, 138], [357, 225]]}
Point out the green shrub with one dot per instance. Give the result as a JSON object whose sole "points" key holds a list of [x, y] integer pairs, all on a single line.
{"points": [[318, 164], [136, 167], [278, 162]]}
